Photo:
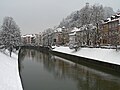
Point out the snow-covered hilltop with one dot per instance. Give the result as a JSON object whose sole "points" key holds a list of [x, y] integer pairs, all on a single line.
{"points": [[105, 55], [9, 74]]}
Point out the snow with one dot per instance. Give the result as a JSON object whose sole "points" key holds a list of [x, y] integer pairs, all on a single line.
{"points": [[109, 19], [75, 30], [114, 19], [59, 30], [72, 34], [28, 35], [104, 55], [9, 74]]}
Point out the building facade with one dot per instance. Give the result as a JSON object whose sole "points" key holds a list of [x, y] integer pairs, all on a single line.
{"points": [[28, 39], [84, 36], [110, 30]]}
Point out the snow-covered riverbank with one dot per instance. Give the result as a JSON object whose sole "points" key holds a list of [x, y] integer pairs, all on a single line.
{"points": [[9, 74], [104, 55]]}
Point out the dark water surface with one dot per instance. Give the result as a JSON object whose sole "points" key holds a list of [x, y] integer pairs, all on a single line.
{"points": [[40, 71]]}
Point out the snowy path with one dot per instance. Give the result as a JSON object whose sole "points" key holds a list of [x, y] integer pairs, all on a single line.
{"points": [[105, 55], [9, 74]]}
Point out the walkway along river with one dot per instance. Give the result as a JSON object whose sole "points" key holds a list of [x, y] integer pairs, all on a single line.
{"points": [[41, 71]]}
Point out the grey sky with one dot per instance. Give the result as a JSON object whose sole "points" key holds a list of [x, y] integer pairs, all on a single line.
{"points": [[34, 16]]}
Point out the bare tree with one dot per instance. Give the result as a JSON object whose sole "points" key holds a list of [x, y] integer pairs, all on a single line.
{"points": [[97, 13], [85, 14]]}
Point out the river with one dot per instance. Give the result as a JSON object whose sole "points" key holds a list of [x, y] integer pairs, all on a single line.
{"points": [[44, 71]]}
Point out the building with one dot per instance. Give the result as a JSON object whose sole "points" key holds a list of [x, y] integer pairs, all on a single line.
{"points": [[38, 39], [58, 37], [74, 38], [47, 37], [83, 36], [28, 39], [110, 30]]}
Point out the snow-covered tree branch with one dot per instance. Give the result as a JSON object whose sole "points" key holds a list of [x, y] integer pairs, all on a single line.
{"points": [[10, 33]]}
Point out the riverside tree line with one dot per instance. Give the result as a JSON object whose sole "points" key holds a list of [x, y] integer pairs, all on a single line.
{"points": [[89, 14]]}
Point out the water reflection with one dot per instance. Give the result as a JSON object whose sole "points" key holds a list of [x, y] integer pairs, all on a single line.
{"points": [[77, 77]]}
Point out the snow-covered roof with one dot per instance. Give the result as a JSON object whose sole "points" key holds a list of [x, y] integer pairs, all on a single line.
{"points": [[28, 35], [113, 16], [23, 36], [58, 30], [112, 19], [75, 30], [118, 15], [109, 19], [72, 34]]}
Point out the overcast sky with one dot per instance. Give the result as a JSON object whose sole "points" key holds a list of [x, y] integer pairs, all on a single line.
{"points": [[34, 16]]}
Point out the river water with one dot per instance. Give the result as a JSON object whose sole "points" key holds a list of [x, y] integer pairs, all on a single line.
{"points": [[41, 71]]}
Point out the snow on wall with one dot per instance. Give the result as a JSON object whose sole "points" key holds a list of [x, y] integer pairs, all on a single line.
{"points": [[105, 55]]}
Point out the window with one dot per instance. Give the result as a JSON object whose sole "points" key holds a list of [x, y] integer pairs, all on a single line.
{"points": [[110, 25], [104, 41], [116, 24]]}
